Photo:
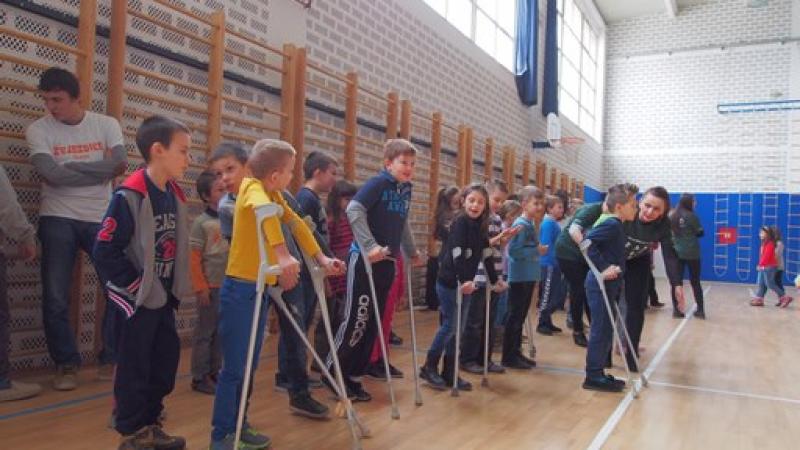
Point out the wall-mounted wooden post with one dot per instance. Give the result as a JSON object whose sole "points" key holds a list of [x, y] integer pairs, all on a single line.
{"points": [[216, 64], [351, 127], [433, 182], [391, 115]]}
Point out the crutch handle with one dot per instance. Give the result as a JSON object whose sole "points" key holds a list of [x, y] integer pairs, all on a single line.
{"points": [[584, 245]]}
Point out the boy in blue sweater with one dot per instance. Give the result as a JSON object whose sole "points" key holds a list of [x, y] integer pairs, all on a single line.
{"points": [[142, 250], [607, 252], [551, 293]]}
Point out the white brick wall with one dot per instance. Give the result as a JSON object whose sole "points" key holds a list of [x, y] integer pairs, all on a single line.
{"points": [[662, 126]]}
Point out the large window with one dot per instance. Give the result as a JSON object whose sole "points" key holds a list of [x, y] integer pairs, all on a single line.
{"points": [[580, 74], [489, 23]]}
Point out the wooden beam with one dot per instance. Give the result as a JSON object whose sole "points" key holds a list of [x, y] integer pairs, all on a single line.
{"points": [[460, 157], [351, 127], [391, 115], [216, 64], [116, 59], [299, 112], [526, 170], [468, 159], [405, 119], [85, 61], [433, 182], [287, 93], [488, 160]]}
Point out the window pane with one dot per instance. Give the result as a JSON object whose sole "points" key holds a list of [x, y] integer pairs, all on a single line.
{"points": [[571, 47], [587, 97], [568, 106], [589, 68], [459, 13], [484, 33], [570, 79], [505, 50], [586, 121], [489, 7], [573, 16], [507, 16], [437, 5], [560, 30], [590, 40]]}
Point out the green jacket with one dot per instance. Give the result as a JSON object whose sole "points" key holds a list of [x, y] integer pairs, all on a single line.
{"points": [[686, 236]]}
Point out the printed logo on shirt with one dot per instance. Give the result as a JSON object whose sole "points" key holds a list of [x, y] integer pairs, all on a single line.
{"points": [[106, 233], [165, 245], [635, 247], [75, 150], [396, 202]]}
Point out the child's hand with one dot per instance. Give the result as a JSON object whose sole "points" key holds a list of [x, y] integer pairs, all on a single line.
{"points": [[506, 235], [500, 286], [203, 298], [611, 272], [468, 288], [290, 272], [377, 254], [26, 251], [332, 266], [543, 249]]}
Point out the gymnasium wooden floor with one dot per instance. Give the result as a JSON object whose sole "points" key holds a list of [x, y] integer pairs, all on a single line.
{"points": [[727, 383]]}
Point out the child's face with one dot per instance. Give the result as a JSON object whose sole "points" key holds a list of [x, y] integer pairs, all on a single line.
{"points": [[174, 158], [230, 172], [326, 178], [496, 200], [762, 234], [402, 167], [455, 202], [556, 211], [217, 191], [534, 208], [511, 217], [474, 204], [343, 202], [627, 211], [278, 180]]}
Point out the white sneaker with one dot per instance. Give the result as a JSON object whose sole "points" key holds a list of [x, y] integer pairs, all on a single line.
{"points": [[19, 391], [66, 378]]}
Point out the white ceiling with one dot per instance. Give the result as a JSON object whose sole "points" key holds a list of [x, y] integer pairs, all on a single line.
{"points": [[614, 10]]}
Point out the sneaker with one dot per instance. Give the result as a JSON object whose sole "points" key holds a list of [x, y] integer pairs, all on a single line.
{"points": [[544, 329], [105, 372], [569, 321], [463, 385], [616, 381], [253, 439], [19, 391], [204, 386], [225, 444], [676, 314], [432, 377], [395, 340], [327, 384], [517, 363], [359, 394], [303, 404], [527, 360], [396, 373], [141, 440], [315, 383], [496, 368], [700, 314], [281, 384], [758, 301], [377, 371], [163, 441], [601, 383], [66, 378], [580, 339], [657, 304], [472, 367], [785, 300]]}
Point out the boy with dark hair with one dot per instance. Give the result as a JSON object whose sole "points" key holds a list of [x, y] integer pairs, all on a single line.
{"points": [[209, 258], [142, 250], [77, 153], [607, 252], [319, 171], [228, 162], [378, 215]]}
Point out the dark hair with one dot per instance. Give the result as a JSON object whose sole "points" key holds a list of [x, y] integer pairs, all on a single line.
{"points": [[496, 185], [776, 233], [685, 207], [509, 207], [486, 214], [552, 200], [58, 79], [564, 196], [659, 192], [770, 233], [443, 212], [529, 193], [229, 150], [317, 161], [341, 189], [157, 129], [205, 183], [619, 194]]}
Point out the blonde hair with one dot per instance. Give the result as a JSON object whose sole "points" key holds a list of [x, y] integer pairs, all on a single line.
{"points": [[528, 193], [268, 156], [509, 208], [397, 147]]}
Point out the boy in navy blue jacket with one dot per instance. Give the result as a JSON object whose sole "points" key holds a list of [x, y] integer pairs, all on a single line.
{"points": [[142, 250], [378, 215], [607, 252]]}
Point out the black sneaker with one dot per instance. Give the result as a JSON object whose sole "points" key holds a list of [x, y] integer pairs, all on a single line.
{"points": [[657, 304], [580, 339], [303, 404], [327, 384], [700, 314], [376, 371], [555, 329], [602, 384], [527, 360], [359, 394], [616, 381], [677, 314], [395, 340], [432, 378], [496, 368], [472, 367], [281, 384], [204, 385], [545, 330], [396, 373], [517, 363], [463, 385]]}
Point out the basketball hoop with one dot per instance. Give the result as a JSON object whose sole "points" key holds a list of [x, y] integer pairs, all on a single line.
{"points": [[572, 140], [553, 130]]}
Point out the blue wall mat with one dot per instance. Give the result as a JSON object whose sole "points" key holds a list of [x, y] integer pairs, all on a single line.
{"points": [[590, 195]]}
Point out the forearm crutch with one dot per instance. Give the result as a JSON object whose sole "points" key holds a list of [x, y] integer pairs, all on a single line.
{"points": [[381, 340], [459, 301], [529, 326], [417, 392], [263, 212], [485, 381], [584, 247], [318, 278]]}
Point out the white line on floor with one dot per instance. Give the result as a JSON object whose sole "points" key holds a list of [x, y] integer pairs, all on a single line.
{"points": [[727, 392]]}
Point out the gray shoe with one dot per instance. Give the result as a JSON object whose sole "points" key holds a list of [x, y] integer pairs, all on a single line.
{"points": [[66, 378], [19, 391], [252, 439]]}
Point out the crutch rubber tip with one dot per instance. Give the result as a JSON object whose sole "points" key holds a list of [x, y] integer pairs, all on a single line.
{"points": [[454, 393], [485, 382], [418, 402], [395, 414], [340, 410]]}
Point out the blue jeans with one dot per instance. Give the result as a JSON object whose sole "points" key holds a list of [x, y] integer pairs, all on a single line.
{"points": [[551, 294], [766, 279], [235, 317], [61, 238], [601, 336], [291, 351], [444, 340]]}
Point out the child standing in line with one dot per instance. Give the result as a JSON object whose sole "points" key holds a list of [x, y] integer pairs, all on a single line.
{"points": [[459, 259], [550, 293], [208, 258], [270, 163], [142, 250], [448, 202], [779, 250], [607, 252], [524, 273], [767, 267], [508, 213]]}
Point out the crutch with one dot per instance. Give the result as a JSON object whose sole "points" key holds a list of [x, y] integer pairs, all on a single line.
{"points": [[529, 327], [584, 247], [382, 341], [485, 381], [262, 212], [417, 392], [318, 278], [459, 301]]}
